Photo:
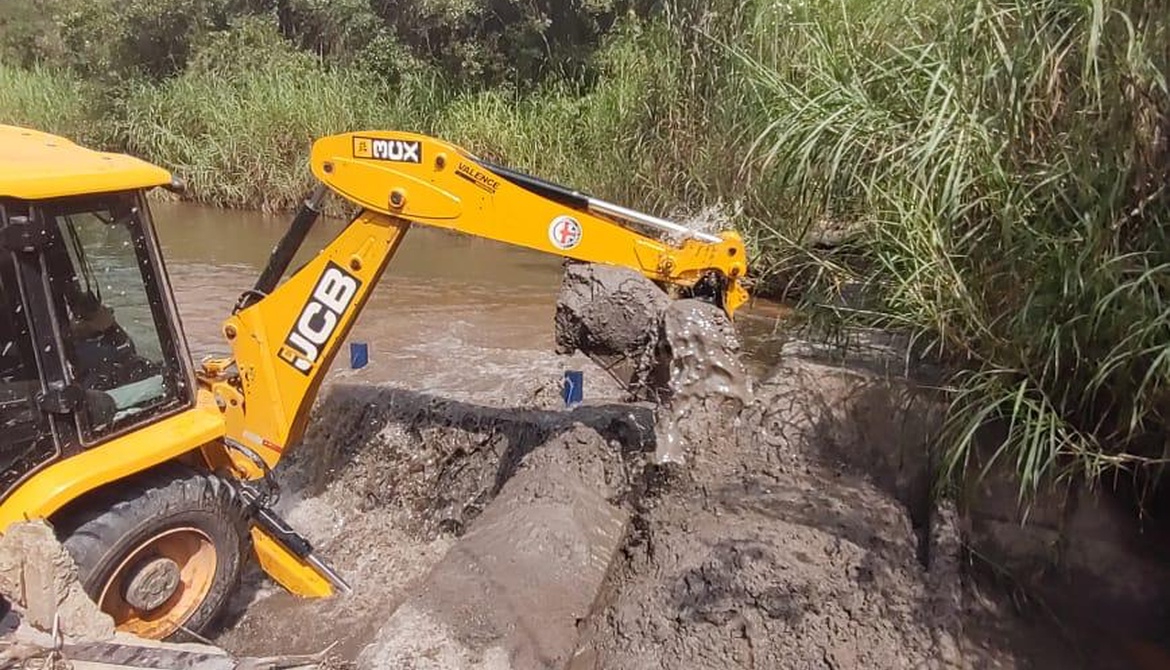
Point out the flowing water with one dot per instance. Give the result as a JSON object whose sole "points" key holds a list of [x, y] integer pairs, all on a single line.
{"points": [[455, 315]]}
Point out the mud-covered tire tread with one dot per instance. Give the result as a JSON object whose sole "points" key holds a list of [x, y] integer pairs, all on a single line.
{"points": [[99, 530]]}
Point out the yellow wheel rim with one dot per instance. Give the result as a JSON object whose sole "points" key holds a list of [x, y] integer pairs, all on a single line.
{"points": [[182, 562]]}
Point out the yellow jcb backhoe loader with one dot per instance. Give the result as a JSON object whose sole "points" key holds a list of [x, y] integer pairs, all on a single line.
{"points": [[154, 470]]}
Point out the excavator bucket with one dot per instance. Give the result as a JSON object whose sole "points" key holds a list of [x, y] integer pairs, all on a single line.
{"points": [[615, 316]]}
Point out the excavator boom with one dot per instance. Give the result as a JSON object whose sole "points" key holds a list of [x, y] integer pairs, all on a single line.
{"points": [[283, 339], [285, 335], [428, 181]]}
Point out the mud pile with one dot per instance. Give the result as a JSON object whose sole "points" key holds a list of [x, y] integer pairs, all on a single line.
{"points": [[764, 554], [436, 462], [511, 591], [386, 485]]}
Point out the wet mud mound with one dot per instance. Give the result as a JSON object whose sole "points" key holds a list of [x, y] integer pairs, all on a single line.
{"points": [[791, 526], [436, 461], [511, 591], [780, 528], [770, 581], [762, 554]]}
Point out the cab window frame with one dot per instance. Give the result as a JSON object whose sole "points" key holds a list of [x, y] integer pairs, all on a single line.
{"points": [[177, 370], [35, 456], [24, 275]]}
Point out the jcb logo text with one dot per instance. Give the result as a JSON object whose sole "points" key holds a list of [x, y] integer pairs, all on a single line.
{"points": [[319, 318]]}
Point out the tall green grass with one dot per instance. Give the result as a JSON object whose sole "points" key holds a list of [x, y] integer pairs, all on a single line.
{"points": [[626, 137], [243, 141], [238, 124], [50, 101], [238, 129], [1005, 166]]}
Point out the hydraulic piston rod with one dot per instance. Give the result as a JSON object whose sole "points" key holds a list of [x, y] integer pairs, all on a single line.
{"points": [[609, 210]]}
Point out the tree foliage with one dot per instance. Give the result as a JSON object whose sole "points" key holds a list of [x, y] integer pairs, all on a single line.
{"points": [[474, 43]]}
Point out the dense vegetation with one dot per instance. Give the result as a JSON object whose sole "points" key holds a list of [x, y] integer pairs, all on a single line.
{"points": [[989, 176]]}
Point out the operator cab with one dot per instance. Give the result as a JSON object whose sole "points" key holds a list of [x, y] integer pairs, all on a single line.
{"points": [[90, 342]]}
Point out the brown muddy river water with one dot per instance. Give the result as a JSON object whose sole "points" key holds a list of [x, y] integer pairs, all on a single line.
{"points": [[453, 314]]}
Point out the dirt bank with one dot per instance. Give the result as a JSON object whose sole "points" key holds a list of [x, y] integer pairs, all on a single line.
{"points": [[789, 526], [787, 543], [768, 549], [748, 552], [793, 530]]}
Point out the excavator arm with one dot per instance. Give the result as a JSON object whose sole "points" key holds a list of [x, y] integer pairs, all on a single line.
{"points": [[284, 336], [428, 181]]}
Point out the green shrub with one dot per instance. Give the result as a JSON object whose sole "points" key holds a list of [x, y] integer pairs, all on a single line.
{"points": [[114, 40], [475, 43], [488, 42], [29, 35]]}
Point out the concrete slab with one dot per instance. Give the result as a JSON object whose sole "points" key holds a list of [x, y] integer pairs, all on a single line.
{"points": [[39, 576]]}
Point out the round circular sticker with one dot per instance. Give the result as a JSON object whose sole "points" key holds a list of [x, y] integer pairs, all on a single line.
{"points": [[564, 232]]}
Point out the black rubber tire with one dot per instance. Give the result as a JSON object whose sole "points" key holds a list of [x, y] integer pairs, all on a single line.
{"points": [[100, 532]]}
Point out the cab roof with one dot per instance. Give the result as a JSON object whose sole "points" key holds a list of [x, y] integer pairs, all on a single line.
{"points": [[37, 166]]}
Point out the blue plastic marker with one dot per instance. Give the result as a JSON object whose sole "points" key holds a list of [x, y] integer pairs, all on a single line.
{"points": [[573, 390], [359, 355]]}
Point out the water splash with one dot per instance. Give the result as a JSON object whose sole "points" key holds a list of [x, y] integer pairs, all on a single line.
{"points": [[707, 385]]}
